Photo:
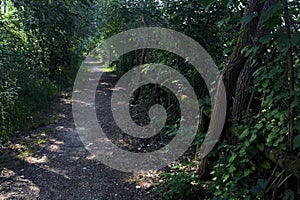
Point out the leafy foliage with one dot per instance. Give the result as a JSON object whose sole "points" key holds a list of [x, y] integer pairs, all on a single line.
{"points": [[180, 183], [43, 42], [42, 45]]}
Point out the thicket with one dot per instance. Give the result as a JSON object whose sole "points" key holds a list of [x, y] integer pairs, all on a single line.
{"points": [[42, 45], [255, 44]]}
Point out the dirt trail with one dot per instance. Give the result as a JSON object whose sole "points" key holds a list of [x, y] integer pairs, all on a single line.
{"points": [[55, 164]]}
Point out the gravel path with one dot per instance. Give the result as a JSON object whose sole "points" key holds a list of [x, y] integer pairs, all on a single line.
{"points": [[51, 162]]}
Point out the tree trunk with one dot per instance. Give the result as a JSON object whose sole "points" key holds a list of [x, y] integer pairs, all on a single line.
{"points": [[238, 71], [242, 99], [139, 63], [4, 6], [139, 78]]}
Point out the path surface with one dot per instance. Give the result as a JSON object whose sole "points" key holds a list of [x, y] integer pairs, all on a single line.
{"points": [[60, 167]]}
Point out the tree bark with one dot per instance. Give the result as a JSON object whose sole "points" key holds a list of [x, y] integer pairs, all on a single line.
{"points": [[291, 77], [238, 71], [4, 6], [238, 60]]}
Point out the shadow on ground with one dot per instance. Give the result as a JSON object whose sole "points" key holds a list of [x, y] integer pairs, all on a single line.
{"points": [[51, 163]]}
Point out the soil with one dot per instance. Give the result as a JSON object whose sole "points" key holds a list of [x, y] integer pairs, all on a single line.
{"points": [[50, 161]]}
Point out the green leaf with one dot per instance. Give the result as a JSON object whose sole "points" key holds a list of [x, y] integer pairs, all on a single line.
{"points": [[265, 39], [260, 186], [297, 124], [242, 152], [248, 18], [232, 158], [266, 165], [271, 11], [232, 169], [207, 3], [282, 40], [228, 3], [225, 178], [288, 195], [296, 142], [247, 172], [265, 83], [276, 143], [253, 137], [251, 50], [245, 49], [258, 126], [261, 146], [244, 134], [294, 40], [222, 22], [262, 183], [275, 129]]}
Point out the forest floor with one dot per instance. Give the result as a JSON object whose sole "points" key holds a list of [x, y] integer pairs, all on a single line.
{"points": [[50, 161]]}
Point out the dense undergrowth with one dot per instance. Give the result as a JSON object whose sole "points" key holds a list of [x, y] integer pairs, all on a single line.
{"points": [[42, 46], [252, 158], [257, 157]]}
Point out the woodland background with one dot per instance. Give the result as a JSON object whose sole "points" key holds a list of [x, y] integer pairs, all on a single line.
{"points": [[254, 43]]}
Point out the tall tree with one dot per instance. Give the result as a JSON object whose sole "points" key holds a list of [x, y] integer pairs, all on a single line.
{"points": [[238, 71]]}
